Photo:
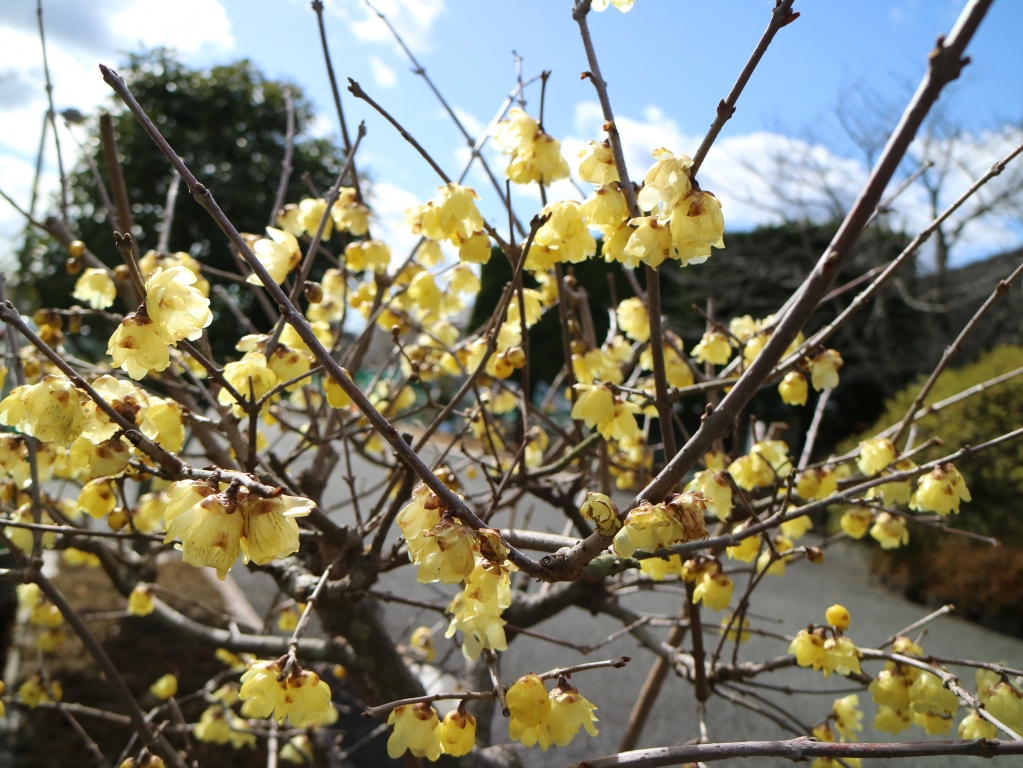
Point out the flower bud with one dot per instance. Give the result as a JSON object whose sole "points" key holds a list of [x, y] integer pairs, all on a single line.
{"points": [[838, 617], [72, 266], [313, 292], [76, 249], [516, 356], [74, 323], [815, 555], [121, 272], [117, 519], [603, 512]]}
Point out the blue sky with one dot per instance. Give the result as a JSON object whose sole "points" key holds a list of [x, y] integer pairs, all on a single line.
{"points": [[668, 62]]}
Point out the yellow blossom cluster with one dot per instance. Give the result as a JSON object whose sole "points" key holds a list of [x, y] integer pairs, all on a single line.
{"points": [[837, 653], [301, 696], [418, 730], [547, 718], [453, 216], [908, 695], [534, 156], [649, 527]]}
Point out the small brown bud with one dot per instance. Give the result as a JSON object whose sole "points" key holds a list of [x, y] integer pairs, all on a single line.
{"points": [[76, 249], [72, 266], [313, 292], [815, 555], [47, 317], [121, 272], [578, 347], [516, 356], [74, 323]]}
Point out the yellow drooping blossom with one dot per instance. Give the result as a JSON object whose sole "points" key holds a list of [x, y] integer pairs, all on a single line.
{"points": [[165, 687], [747, 549], [271, 530], [875, 455], [857, 521], [140, 600], [476, 613], [449, 216], [633, 319], [33, 691], [164, 422], [251, 368], [896, 492], [349, 214], [279, 254], [336, 396], [137, 346], [649, 242], [816, 484], [597, 164], [713, 588], [178, 308], [603, 512], [716, 489], [417, 729], [847, 717], [667, 181], [890, 531], [298, 750], [697, 226], [97, 498], [445, 553], [793, 389], [569, 712], [218, 725], [457, 732], [302, 696], [367, 254], [940, 490], [775, 566], [49, 411], [808, 648], [606, 209], [797, 527], [563, 238], [659, 568], [535, 156], [714, 348], [824, 369], [209, 524], [650, 526], [96, 288], [152, 260]]}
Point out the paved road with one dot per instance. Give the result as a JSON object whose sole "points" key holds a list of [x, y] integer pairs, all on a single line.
{"points": [[786, 605]]}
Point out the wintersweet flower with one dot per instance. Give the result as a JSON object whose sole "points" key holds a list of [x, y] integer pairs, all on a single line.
{"points": [[251, 368], [797, 527], [857, 521], [96, 288], [569, 712], [975, 727], [840, 655], [208, 523], [605, 209], [808, 648], [716, 489], [165, 687], [659, 568], [97, 498], [137, 346], [891, 720], [49, 411], [311, 212], [667, 181], [464, 280], [824, 369], [140, 600], [447, 553], [714, 589], [336, 396], [875, 455], [714, 348], [648, 527], [178, 308], [622, 5], [475, 249], [452, 213], [417, 729], [848, 717], [1003, 701], [889, 531], [529, 705], [697, 226], [279, 254], [838, 617], [298, 750], [793, 389], [152, 260], [271, 530], [897, 492], [595, 405], [563, 238], [940, 490], [747, 549], [649, 243], [308, 699], [33, 692], [929, 696], [457, 732], [361, 255], [603, 512], [816, 484], [349, 214], [534, 155], [164, 422], [890, 689], [634, 319], [597, 163], [751, 471]]}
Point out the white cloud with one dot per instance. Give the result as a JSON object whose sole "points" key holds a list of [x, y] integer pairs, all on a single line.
{"points": [[389, 202], [382, 74], [413, 20], [79, 37]]}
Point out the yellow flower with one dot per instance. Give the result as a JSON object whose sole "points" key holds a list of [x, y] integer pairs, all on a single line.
{"points": [[848, 717], [165, 687], [808, 648], [633, 319], [50, 639], [816, 484], [793, 389], [1003, 702], [417, 729], [270, 528], [252, 366], [447, 553], [367, 254], [751, 471], [49, 411], [715, 590], [308, 699], [840, 655], [714, 348], [298, 750], [535, 156], [336, 396], [651, 526], [529, 705], [261, 691], [606, 209], [177, 307], [106, 459], [464, 280], [286, 364], [838, 617], [137, 346], [622, 5], [928, 696], [476, 612], [33, 692], [824, 369], [741, 633], [77, 557], [457, 733], [213, 727], [563, 238], [603, 512], [140, 601], [715, 489], [650, 243], [974, 727], [875, 455], [452, 213], [747, 549], [696, 227], [659, 568], [22, 537], [714, 461], [279, 254], [940, 491], [422, 640], [595, 405], [894, 493], [890, 531], [164, 422], [96, 288], [667, 181], [97, 498], [797, 527], [891, 720], [857, 521], [349, 214], [890, 689], [597, 164], [208, 523], [152, 260], [310, 212], [14, 459], [569, 711], [474, 249]]}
